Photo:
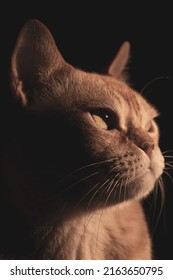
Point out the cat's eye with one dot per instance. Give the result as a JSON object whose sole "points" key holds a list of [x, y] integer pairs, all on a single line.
{"points": [[104, 119], [150, 127]]}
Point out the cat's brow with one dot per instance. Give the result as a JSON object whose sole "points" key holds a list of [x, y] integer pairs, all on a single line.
{"points": [[154, 113]]}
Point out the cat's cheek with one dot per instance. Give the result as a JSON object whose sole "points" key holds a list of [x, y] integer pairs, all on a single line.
{"points": [[157, 164]]}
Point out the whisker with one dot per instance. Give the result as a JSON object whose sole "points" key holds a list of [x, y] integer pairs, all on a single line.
{"points": [[87, 221], [90, 201], [93, 213], [168, 175], [167, 151], [84, 168], [125, 187], [121, 189], [81, 180], [115, 178], [166, 157], [101, 214], [95, 186], [90, 165], [160, 186], [70, 186], [112, 190], [169, 165], [152, 81], [97, 192], [168, 161], [115, 186]]}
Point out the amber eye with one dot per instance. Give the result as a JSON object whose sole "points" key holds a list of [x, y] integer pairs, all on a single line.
{"points": [[105, 119], [150, 127]]}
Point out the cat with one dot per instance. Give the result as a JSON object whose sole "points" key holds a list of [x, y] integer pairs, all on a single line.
{"points": [[81, 154]]}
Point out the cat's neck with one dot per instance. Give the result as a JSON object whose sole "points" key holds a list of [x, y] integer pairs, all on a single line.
{"points": [[80, 237], [90, 236]]}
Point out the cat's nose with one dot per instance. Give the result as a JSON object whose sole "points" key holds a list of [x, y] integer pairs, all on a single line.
{"points": [[148, 147]]}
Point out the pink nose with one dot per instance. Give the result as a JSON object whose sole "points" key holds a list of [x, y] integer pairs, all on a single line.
{"points": [[148, 147]]}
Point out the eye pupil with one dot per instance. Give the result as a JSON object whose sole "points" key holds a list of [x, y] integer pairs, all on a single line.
{"points": [[106, 116], [107, 119]]}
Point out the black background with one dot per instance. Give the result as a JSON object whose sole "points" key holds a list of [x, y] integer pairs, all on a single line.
{"points": [[88, 36]]}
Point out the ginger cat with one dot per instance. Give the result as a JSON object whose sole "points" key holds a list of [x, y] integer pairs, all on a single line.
{"points": [[82, 154]]}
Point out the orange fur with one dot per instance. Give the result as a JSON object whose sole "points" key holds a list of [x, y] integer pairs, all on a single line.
{"points": [[84, 153]]}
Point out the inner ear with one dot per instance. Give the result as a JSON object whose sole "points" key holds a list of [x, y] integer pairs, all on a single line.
{"points": [[35, 52], [117, 67]]}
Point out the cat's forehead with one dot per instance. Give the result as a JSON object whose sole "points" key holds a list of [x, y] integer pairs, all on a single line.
{"points": [[96, 90], [80, 90]]}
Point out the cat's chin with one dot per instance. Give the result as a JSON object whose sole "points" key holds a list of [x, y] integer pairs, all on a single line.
{"points": [[146, 183]]}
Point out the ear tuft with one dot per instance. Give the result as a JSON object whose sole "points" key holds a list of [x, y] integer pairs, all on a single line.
{"points": [[119, 63]]}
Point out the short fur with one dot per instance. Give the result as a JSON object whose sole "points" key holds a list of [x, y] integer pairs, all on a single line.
{"points": [[82, 153]]}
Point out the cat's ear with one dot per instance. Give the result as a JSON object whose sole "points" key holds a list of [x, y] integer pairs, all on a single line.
{"points": [[118, 66], [35, 52]]}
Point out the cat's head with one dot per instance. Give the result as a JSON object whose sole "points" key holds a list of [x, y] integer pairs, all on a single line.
{"points": [[81, 137]]}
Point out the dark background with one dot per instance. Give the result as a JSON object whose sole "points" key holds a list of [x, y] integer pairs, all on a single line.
{"points": [[88, 37]]}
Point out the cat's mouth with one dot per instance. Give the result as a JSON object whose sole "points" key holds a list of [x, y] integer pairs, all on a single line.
{"points": [[139, 180]]}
